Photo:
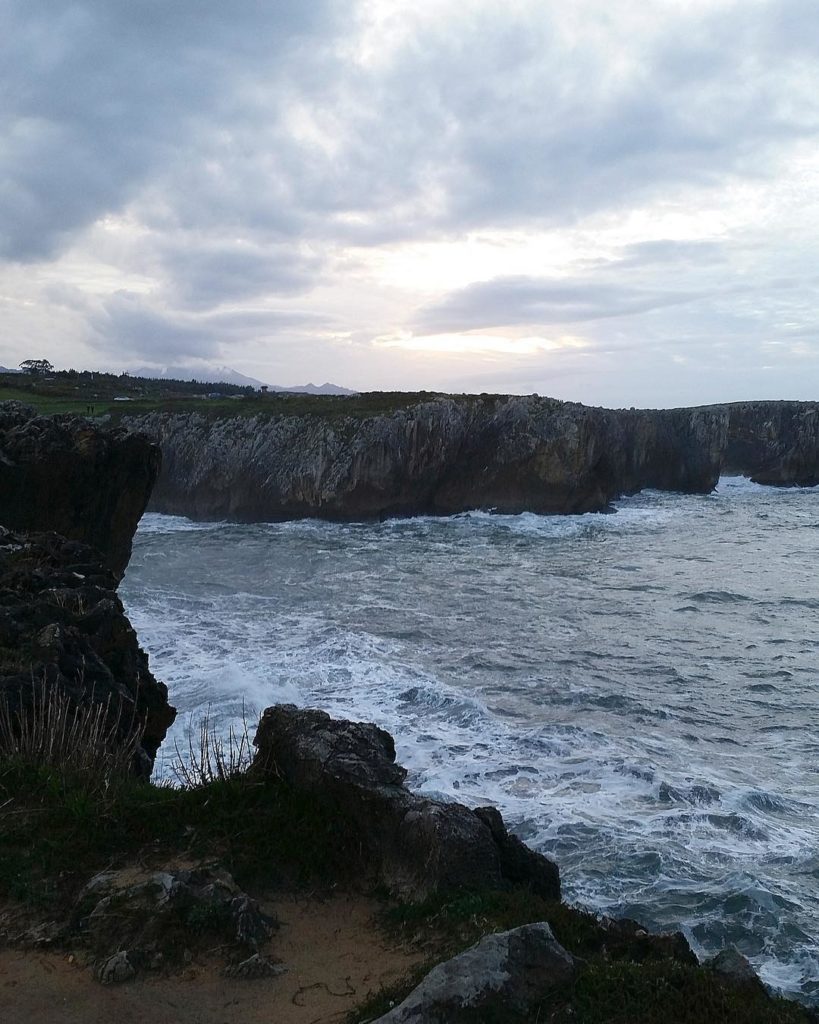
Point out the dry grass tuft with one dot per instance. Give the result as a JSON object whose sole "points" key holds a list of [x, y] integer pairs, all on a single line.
{"points": [[212, 756], [91, 741]]}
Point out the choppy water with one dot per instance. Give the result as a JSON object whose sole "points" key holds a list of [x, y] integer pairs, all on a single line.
{"points": [[638, 692]]}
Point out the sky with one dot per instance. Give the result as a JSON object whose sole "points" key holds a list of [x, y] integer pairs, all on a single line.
{"points": [[609, 201]]}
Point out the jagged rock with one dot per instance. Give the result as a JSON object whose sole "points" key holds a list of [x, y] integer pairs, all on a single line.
{"points": [[624, 934], [65, 474], [255, 967], [166, 912], [439, 456], [731, 965], [115, 969], [514, 970], [63, 628], [774, 442], [415, 846]]}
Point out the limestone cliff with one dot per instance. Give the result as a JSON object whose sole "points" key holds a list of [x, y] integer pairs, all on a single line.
{"points": [[774, 442], [440, 456], [65, 474]]}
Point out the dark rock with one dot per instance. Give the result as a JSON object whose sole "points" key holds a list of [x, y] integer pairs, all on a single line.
{"points": [[734, 968], [515, 970], [774, 442], [166, 913], [65, 474], [414, 845], [115, 969], [66, 631], [625, 936]]}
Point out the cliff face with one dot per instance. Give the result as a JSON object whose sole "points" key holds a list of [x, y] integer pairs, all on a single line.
{"points": [[63, 628], [441, 456], [774, 442], [65, 474]]}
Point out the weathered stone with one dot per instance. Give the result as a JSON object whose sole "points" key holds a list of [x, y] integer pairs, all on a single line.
{"points": [[65, 474], [63, 629], [515, 970], [440, 456], [735, 968], [115, 969], [166, 912], [414, 845]]}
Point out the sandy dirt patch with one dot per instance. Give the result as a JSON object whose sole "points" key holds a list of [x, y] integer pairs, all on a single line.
{"points": [[334, 951]]}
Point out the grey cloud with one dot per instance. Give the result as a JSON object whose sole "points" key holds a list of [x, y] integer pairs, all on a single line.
{"points": [[128, 325], [528, 301], [100, 93], [202, 275]]}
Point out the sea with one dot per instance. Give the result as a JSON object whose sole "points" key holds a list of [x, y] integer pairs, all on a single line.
{"points": [[638, 691]]}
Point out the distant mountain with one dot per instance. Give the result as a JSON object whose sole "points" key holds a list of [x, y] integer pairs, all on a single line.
{"points": [[205, 374], [225, 375], [9, 369], [317, 389]]}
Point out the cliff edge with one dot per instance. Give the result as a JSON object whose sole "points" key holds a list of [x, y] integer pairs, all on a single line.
{"points": [[439, 456], [66, 474]]}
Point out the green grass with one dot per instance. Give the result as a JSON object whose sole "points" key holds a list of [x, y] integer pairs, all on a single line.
{"points": [[55, 832], [622, 980]]}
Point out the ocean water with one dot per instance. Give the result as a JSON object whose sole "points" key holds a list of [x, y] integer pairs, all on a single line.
{"points": [[638, 692]]}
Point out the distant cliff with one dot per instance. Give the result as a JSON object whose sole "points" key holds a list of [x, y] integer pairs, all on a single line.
{"points": [[65, 474], [440, 456], [774, 442]]}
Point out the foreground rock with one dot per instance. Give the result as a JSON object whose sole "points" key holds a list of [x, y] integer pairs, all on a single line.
{"points": [[65, 474], [63, 631], [132, 924], [438, 456], [414, 846], [515, 970]]}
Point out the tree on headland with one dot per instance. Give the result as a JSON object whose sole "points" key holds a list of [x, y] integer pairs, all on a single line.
{"points": [[36, 366]]}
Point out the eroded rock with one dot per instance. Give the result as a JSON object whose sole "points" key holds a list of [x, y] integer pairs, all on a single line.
{"points": [[63, 629], [514, 970], [66, 474], [415, 846]]}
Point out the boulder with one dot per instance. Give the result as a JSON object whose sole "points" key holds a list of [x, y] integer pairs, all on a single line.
{"points": [[131, 920], [515, 970], [415, 846], [66, 474]]}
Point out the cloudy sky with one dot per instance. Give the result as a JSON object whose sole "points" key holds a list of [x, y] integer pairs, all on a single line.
{"points": [[614, 201]]}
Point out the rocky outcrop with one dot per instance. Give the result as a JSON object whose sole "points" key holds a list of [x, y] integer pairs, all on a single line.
{"points": [[511, 972], [440, 456], [774, 442], [65, 474], [415, 846], [63, 631]]}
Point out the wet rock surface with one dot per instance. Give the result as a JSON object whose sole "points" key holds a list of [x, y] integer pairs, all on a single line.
{"points": [[514, 970], [415, 846], [63, 629], [66, 474]]}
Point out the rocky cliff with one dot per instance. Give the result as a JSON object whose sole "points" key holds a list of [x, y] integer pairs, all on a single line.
{"points": [[774, 442], [63, 631], [440, 456], [65, 474]]}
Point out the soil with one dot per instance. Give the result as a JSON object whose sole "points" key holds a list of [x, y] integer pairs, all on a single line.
{"points": [[334, 950]]}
